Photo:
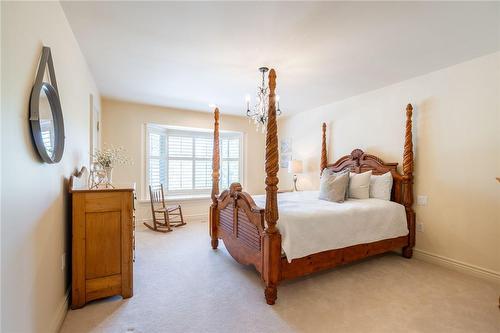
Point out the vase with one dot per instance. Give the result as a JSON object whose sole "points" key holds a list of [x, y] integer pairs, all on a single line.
{"points": [[109, 175]]}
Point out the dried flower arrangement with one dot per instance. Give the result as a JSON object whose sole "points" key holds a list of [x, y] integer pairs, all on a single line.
{"points": [[101, 170], [109, 157]]}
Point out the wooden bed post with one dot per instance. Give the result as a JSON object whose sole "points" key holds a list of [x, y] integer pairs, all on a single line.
{"points": [[215, 183], [408, 183], [324, 155], [272, 238]]}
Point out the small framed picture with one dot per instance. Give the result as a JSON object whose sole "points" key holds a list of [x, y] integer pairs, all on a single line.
{"points": [[285, 152]]}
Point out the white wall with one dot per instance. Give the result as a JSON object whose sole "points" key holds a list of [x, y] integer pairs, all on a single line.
{"points": [[1, 26], [123, 124], [1, 90], [35, 214], [457, 152]]}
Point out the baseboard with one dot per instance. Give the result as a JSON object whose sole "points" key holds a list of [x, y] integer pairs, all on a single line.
{"points": [[203, 217], [476, 271], [58, 320], [196, 218]]}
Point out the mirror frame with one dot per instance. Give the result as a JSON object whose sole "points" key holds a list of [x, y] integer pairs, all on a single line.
{"points": [[52, 94]]}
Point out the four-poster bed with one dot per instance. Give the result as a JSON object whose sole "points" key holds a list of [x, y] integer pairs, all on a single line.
{"points": [[251, 235]]}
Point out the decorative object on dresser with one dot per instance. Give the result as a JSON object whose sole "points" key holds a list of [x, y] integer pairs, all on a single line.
{"points": [[105, 160], [295, 167], [79, 179], [45, 112], [251, 235], [97, 177], [102, 242], [171, 215], [259, 113]]}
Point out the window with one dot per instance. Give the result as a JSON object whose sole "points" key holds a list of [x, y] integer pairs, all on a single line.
{"points": [[181, 159]]}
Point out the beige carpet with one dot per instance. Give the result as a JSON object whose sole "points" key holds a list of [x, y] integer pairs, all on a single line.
{"points": [[181, 285]]}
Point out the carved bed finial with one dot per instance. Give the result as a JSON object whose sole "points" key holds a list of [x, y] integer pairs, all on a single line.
{"points": [[408, 149], [356, 154], [216, 158], [324, 154], [272, 159], [234, 188]]}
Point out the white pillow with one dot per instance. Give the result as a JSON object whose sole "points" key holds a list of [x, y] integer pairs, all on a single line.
{"points": [[381, 186], [359, 185]]}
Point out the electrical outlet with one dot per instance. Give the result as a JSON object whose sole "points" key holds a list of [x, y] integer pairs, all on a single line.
{"points": [[63, 261], [422, 200], [420, 226]]}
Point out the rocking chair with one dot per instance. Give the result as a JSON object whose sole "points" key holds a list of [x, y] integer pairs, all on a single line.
{"points": [[164, 217]]}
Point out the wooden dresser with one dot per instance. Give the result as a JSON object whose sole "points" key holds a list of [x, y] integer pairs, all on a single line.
{"points": [[102, 243]]}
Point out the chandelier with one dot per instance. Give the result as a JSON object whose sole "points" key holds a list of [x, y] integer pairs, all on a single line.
{"points": [[259, 112]]}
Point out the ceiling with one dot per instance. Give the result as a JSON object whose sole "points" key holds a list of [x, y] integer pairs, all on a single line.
{"points": [[188, 55]]}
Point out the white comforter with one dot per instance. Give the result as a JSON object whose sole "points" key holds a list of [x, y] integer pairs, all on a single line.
{"points": [[309, 225]]}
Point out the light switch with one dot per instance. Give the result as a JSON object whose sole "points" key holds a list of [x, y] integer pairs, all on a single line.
{"points": [[422, 200]]}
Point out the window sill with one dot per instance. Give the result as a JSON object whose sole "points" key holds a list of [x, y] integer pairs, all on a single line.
{"points": [[177, 198]]}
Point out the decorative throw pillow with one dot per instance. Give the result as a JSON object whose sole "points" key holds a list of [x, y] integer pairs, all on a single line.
{"points": [[359, 185], [330, 172], [381, 186], [333, 186]]}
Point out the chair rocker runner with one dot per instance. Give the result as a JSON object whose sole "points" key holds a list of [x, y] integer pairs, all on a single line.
{"points": [[164, 217]]}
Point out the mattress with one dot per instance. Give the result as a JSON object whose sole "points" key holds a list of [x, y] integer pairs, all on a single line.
{"points": [[309, 225]]}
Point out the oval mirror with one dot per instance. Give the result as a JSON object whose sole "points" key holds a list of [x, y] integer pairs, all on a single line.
{"points": [[46, 119]]}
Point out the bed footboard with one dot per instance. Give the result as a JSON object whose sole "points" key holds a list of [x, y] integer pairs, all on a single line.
{"points": [[238, 221]]}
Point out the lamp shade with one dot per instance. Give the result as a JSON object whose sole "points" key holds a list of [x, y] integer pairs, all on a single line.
{"points": [[295, 166]]}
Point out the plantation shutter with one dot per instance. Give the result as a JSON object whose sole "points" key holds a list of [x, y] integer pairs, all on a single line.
{"points": [[203, 162], [230, 160], [157, 158], [181, 160]]}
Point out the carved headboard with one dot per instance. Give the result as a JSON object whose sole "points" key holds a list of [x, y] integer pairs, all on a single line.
{"points": [[359, 161]]}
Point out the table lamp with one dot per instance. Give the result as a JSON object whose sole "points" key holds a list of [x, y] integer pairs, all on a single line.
{"points": [[295, 167]]}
